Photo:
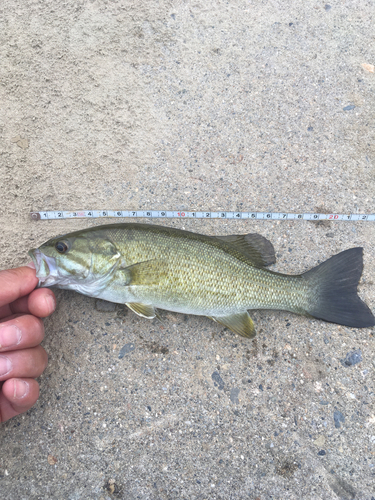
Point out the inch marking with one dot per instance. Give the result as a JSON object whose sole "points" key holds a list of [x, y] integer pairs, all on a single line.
{"points": [[166, 214]]}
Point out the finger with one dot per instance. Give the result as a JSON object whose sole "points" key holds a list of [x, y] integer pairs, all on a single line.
{"points": [[17, 396], [40, 302], [15, 283], [26, 363], [21, 332]]}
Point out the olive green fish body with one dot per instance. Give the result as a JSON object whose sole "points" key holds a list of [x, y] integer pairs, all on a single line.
{"points": [[149, 267]]}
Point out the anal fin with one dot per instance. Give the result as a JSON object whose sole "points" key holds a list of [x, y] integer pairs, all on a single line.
{"points": [[238, 323]]}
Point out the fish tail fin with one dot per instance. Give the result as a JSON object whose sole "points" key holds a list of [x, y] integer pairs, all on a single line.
{"points": [[333, 285]]}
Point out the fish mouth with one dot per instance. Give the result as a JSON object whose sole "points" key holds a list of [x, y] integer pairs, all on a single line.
{"points": [[45, 268]]}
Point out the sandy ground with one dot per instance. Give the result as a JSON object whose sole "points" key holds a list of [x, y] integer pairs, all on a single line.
{"points": [[213, 105]]}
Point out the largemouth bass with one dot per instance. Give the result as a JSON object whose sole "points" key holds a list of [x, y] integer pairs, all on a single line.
{"points": [[148, 267]]}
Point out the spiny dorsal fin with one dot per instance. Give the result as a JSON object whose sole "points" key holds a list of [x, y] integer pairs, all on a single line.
{"points": [[254, 246], [238, 323]]}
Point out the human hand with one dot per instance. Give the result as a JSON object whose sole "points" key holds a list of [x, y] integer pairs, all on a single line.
{"points": [[21, 331]]}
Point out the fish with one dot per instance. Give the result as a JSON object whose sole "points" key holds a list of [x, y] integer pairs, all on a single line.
{"points": [[151, 267]]}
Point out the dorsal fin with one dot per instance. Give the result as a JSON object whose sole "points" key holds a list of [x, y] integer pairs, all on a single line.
{"points": [[254, 246]]}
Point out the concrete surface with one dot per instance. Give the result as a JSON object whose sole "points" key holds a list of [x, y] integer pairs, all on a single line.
{"points": [[192, 105]]}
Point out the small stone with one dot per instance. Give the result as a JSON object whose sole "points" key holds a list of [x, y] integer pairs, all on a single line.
{"points": [[339, 418], [349, 108], [327, 7], [319, 441], [234, 395], [52, 460], [112, 487], [321, 453], [368, 67], [352, 358], [218, 381], [23, 143], [126, 349], [15, 139]]}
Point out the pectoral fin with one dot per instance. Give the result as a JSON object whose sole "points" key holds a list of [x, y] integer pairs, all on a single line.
{"points": [[144, 310], [150, 272], [238, 323]]}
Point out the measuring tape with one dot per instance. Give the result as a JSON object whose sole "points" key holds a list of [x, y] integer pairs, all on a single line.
{"points": [[166, 214]]}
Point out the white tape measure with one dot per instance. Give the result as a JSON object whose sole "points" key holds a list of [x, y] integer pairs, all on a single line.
{"points": [[167, 214]]}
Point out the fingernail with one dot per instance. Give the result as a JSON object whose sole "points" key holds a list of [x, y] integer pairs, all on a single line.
{"points": [[21, 389], [5, 365], [51, 302], [10, 336], [31, 264]]}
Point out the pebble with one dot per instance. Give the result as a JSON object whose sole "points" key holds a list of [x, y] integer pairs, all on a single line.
{"points": [[234, 395], [126, 349], [349, 108], [338, 417], [352, 358], [218, 381], [321, 453], [319, 441]]}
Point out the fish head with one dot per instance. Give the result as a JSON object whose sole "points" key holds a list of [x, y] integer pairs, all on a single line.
{"points": [[76, 261]]}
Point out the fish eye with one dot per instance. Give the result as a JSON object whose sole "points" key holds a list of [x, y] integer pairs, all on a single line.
{"points": [[61, 247]]}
